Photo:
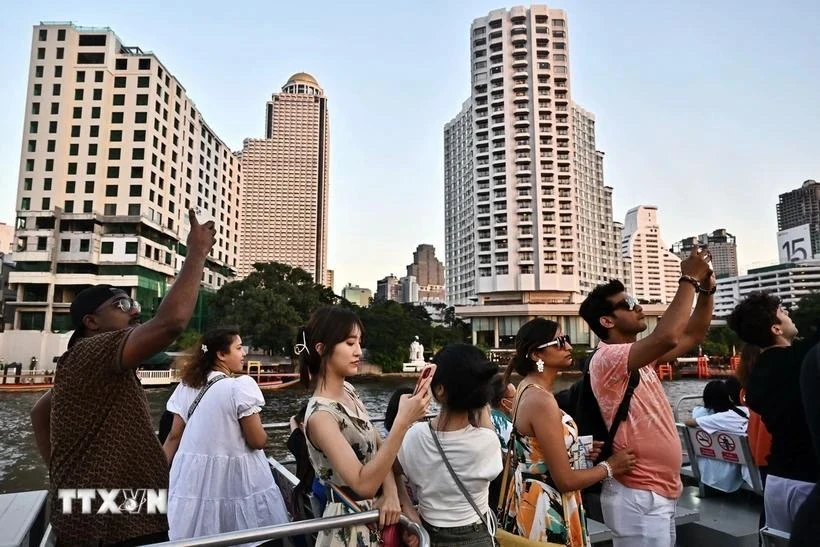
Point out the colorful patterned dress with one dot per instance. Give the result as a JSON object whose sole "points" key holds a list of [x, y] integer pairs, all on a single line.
{"points": [[537, 510], [357, 430]]}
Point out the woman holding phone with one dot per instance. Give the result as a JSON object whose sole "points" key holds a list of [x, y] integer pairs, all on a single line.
{"points": [[545, 493], [464, 435], [344, 447]]}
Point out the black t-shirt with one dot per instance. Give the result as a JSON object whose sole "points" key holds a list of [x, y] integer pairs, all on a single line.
{"points": [[774, 393], [810, 386]]}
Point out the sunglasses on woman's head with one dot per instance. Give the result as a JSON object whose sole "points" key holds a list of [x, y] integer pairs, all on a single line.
{"points": [[629, 304], [560, 341]]}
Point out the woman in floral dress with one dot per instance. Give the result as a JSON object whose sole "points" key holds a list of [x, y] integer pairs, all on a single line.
{"points": [[544, 497], [344, 447]]}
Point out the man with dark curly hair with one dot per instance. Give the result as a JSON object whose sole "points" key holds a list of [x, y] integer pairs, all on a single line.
{"points": [[773, 391]]}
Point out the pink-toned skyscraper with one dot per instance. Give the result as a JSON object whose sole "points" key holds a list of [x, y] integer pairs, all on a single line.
{"points": [[285, 182]]}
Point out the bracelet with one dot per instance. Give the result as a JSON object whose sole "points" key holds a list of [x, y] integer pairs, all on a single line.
{"points": [[689, 279], [608, 468], [708, 292]]}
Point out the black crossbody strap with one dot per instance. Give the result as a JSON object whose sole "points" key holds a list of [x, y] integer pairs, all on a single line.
{"points": [[202, 392], [623, 409], [460, 484]]}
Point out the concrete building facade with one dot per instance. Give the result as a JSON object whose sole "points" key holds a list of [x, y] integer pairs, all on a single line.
{"points": [[114, 154], [722, 246], [286, 179], [357, 295], [655, 271], [801, 206]]}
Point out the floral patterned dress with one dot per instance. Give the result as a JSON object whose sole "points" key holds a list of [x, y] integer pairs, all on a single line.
{"points": [[537, 510], [357, 430]]}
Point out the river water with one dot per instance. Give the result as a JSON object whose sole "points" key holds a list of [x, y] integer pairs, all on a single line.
{"points": [[22, 469]]}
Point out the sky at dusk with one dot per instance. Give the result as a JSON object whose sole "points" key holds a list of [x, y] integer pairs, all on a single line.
{"points": [[708, 110]]}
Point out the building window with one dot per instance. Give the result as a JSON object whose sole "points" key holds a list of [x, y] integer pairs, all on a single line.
{"points": [[41, 53], [77, 113], [32, 127], [107, 248], [52, 127], [97, 95], [38, 71], [46, 204], [42, 243], [78, 94], [43, 35], [94, 131], [88, 206], [49, 164], [51, 145], [138, 154], [91, 169], [116, 117], [95, 112], [131, 247], [89, 187], [119, 82], [145, 64], [122, 64], [111, 190], [143, 81], [92, 39], [32, 146], [136, 172], [27, 184], [38, 90], [33, 320], [85, 245], [98, 76], [70, 186], [58, 71], [25, 204], [110, 209], [133, 209], [139, 135], [30, 164], [65, 245], [112, 172], [55, 90], [135, 190], [47, 184], [116, 135], [114, 153], [68, 207], [75, 131], [92, 149], [81, 75], [140, 117], [61, 35], [142, 100]]}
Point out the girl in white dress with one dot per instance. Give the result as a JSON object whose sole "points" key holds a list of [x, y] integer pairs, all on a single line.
{"points": [[220, 479]]}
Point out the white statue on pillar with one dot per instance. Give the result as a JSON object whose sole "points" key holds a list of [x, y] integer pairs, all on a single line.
{"points": [[416, 351]]}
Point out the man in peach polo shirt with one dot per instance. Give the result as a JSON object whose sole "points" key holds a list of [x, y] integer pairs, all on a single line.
{"points": [[639, 507]]}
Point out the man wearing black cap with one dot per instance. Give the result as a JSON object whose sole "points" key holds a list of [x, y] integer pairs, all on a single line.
{"points": [[94, 428]]}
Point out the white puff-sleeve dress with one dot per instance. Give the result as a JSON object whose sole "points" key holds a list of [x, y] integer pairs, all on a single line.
{"points": [[218, 483]]}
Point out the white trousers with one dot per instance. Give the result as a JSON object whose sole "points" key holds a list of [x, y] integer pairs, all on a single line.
{"points": [[638, 518]]}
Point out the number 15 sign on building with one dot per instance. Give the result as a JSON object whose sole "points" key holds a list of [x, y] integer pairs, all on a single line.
{"points": [[794, 244]]}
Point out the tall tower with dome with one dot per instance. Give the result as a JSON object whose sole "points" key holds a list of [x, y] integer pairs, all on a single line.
{"points": [[285, 182]]}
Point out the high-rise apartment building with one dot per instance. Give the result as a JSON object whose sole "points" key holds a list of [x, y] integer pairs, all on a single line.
{"points": [[722, 246], [542, 227], [599, 255], [654, 270], [459, 209], [357, 295], [388, 288], [286, 182], [802, 206], [428, 272], [114, 154]]}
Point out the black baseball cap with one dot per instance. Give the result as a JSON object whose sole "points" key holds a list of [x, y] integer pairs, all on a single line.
{"points": [[86, 302]]}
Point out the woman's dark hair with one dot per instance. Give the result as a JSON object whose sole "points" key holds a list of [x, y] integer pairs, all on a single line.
{"points": [[716, 397], [752, 319], [597, 305], [297, 445], [733, 389], [328, 326], [531, 335], [465, 374], [499, 387], [393, 406], [748, 356], [197, 363]]}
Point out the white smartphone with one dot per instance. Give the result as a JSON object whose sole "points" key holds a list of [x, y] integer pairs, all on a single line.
{"points": [[203, 215]]}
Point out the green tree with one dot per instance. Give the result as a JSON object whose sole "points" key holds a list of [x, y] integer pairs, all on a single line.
{"points": [[270, 304], [187, 340], [807, 316]]}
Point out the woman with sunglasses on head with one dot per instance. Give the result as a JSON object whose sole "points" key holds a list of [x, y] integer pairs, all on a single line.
{"points": [[545, 492], [220, 478], [344, 446]]}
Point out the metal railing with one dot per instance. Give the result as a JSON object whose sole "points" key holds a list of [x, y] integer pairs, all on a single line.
{"points": [[303, 527], [677, 405]]}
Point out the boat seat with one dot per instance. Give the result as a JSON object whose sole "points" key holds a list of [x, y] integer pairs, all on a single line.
{"points": [[774, 538], [22, 518], [721, 446]]}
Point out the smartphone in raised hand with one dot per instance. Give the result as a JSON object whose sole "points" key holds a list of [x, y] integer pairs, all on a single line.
{"points": [[426, 372]]}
